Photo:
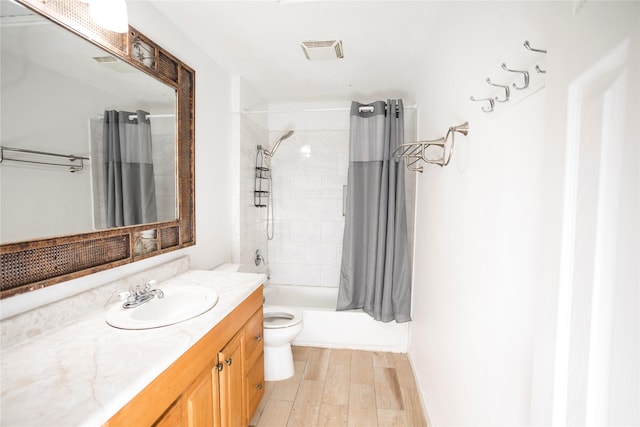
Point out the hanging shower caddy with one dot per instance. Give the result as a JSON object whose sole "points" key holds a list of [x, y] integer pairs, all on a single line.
{"points": [[262, 180]]}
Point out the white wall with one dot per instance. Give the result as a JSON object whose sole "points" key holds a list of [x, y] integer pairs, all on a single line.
{"points": [[486, 267], [478, 227], [248, 221], [213, 166]]}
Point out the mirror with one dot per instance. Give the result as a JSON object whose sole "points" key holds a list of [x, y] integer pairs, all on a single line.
{"points": [[56, 88], [57, 222]]}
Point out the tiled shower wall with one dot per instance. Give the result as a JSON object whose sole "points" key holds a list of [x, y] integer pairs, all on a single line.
{"points": [[309, 172], [252, 219]]}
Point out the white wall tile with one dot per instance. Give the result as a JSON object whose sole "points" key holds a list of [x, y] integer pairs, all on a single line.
{"points": [[306, 231], [330, 275], [280, 274], [321, 253], [332, 232]]}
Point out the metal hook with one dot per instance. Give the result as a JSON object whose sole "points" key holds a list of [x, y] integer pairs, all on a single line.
{"points": [[528, 46], [507, 91], [492, 103], [524, 73]]}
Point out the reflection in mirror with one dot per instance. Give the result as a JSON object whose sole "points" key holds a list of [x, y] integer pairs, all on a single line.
{"points": [[63, 95], [144, 242]]}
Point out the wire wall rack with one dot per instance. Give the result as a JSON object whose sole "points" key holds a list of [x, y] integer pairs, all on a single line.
{"points": [[73, 163], [262, 180], [436, 151]]}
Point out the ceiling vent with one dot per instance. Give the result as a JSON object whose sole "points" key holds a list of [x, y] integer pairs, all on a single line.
{"points": [[104, 59], [322, 50]]}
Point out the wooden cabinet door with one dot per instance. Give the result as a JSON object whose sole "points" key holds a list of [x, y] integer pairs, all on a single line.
{"points": [[231, 383], [200, 400], [172, 418]]}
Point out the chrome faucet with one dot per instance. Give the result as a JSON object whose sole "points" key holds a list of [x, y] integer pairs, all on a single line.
{"points": [[139, 296]]}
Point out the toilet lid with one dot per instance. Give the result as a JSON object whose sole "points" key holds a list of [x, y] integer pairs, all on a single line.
{"points": [[280, 319]]}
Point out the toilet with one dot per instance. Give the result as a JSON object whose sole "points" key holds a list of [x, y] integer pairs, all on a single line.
{"points": [[281, 326]]}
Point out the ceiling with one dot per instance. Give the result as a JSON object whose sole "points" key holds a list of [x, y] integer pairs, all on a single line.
{"points": [[392, 48], [260, 40]]}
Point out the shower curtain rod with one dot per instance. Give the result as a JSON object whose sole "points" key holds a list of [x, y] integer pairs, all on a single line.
{"points": [[311, 110]]}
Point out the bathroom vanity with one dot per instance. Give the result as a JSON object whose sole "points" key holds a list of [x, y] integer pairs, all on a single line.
{"points": [[206, 371], [217, 382]]}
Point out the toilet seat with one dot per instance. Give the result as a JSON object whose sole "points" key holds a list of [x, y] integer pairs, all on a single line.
{"points": [[277, 319]]}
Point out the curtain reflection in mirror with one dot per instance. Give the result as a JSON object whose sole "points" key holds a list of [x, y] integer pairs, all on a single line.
{"points": [[124, 175]]}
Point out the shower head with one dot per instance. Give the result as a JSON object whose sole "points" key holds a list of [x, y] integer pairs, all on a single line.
{"points": [[271, 152]]}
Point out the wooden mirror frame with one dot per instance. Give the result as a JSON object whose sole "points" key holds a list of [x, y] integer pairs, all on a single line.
{"points": [[34, 264]]}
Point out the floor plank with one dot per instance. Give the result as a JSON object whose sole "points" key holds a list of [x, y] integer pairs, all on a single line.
{"points": [[404, 371], [392, 418], [361, 367], [275, 414], [333, 415], [336, 390], [388, 393], [306, 407], [317, 364], [413, 407], [300, 354], [383, 360], [362, 405]]}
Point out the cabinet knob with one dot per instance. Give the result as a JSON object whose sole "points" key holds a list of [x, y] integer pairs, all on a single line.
{"points": [[219, 366], [259, 386], [258, 337], [229, 361]]}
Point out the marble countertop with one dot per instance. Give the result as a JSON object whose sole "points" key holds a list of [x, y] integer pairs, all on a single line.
{"points": [[85, 372]]}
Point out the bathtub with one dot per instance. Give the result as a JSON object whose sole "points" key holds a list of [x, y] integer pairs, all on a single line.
{"points": [[328, 328]]}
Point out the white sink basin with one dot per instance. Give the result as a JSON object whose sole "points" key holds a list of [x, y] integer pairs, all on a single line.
{"points": [[180, 303]]}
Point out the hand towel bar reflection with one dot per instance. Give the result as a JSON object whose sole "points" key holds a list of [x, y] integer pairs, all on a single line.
{"points": [[413, 152], [40, 157]]}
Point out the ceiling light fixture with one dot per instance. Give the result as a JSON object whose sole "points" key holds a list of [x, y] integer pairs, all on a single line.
{"points": [[110, 14]]}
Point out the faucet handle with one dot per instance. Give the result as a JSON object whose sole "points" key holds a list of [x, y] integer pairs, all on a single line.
{"points": [[150, 284]]}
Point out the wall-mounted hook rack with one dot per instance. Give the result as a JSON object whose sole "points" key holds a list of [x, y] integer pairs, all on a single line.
{"points": [[531, 78], [491, 101]]}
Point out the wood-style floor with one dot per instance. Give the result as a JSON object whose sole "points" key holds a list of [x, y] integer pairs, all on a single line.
{"points": [[343, 388]]}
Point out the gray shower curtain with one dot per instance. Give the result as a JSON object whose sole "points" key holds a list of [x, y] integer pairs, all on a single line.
{"points": [[375, 274], [129, 182]]}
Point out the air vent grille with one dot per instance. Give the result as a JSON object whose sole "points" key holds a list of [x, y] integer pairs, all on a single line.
{"points": [[322, 50]]}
